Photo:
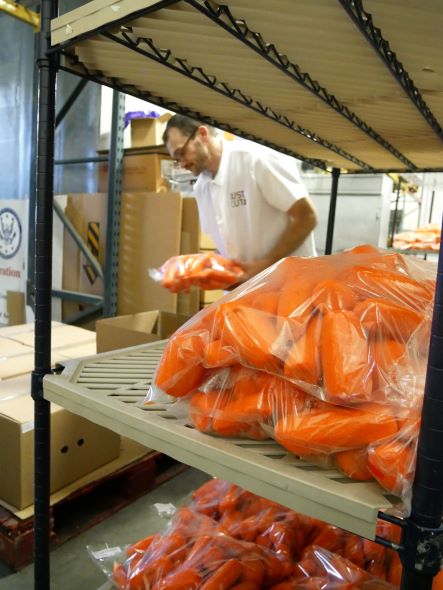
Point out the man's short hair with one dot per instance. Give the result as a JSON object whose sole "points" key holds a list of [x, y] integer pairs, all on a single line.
{"points": [[184, 124]]}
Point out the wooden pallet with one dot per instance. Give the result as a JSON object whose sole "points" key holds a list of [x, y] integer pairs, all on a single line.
{"points": [[85, 507]]}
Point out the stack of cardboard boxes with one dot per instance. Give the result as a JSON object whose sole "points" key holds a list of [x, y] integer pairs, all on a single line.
{"points": [[206, 244], [155, 224], [78, 446]]}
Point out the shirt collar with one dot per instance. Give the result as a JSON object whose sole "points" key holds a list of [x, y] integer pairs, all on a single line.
{"points": [[219, 178]]}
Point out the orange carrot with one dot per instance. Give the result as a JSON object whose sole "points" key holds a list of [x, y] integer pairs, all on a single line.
{"points": [[224, 577], [345, 357], [180, 370], [216, 354], [267, 302], [353, 549], [251, 334], [394, 319], [331, 429], [189, 579], [392, 464], [333, 295], [254, 571], [385, 352], [203, 407], [140, 546], [119, 576], [246, 586], [295, 299], [395, 569], [394, 286], [303, 359], [354, 463]]}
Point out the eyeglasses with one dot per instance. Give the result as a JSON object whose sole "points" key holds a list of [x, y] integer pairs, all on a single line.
{"points": [[180, 152]]}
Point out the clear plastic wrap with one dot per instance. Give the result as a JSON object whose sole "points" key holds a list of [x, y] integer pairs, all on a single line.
{"points": [[206, 270], [320, 569], [194, 554], [327, 355], [230, 539]]}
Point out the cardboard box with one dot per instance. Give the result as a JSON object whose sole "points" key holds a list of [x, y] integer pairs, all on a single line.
{"points": [[141, 172], [153, 227], [88, 214], [77, 446], [17, 347], [15, 305], [130, 330], [62, 336], [206, 242], [148, 132], [207, 297], [188, 303], [150, 228]]}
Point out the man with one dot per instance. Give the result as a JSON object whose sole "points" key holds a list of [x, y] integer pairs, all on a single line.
{"points": [[250, 198]]}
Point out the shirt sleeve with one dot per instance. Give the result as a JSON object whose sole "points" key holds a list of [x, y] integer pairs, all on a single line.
{"points": [[277, 178]]}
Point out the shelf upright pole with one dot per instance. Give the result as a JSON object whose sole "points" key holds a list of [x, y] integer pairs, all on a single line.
{"points": [[423, 534], [32, 181], [332, 208], [47, 66], [115, 171]]}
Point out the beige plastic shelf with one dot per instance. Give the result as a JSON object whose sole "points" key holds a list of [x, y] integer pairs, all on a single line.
{"points": [[107, 389]]}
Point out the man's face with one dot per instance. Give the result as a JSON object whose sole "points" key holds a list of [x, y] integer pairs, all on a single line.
{"points": [[190, 151]]}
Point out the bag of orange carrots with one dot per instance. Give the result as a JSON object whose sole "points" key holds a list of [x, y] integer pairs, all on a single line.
{"points": [[320, 569], [193, 554], [327, 355], [335, 326], [206, 270]]}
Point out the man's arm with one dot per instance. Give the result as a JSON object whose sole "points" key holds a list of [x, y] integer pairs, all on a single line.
{"points": [[303, 220]]}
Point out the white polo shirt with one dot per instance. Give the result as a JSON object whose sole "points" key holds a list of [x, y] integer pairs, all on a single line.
{"points": [[243, 208]]}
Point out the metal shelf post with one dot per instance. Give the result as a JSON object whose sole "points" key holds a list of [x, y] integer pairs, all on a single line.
{"points": [[423, 535], [47, 67], [114, 194]]}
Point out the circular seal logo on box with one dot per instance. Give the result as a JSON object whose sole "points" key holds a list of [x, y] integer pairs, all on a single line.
{"points": [[10, 233]]}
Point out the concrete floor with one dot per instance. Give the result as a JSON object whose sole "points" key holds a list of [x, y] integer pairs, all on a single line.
{"points": [[71, 566]]}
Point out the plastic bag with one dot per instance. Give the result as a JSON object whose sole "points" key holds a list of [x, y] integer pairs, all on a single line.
{"points": [[193, 554], [327, 355], [204, 270], [336, 326], [320, 569], [240, 402], [228, 537]]}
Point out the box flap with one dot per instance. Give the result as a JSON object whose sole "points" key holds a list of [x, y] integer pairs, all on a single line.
{"points": [[12, 331], [78, 350], [10, 348], [145, 321], [169, 323], [127, 330], [15, 387], [61, 336], [24, 363], [21, 409]]}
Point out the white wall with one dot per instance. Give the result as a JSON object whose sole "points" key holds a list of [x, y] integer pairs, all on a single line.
{"points": [[362, 212]]}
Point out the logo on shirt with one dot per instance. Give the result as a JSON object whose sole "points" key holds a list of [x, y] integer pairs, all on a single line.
{"points": [[238, 199]]}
